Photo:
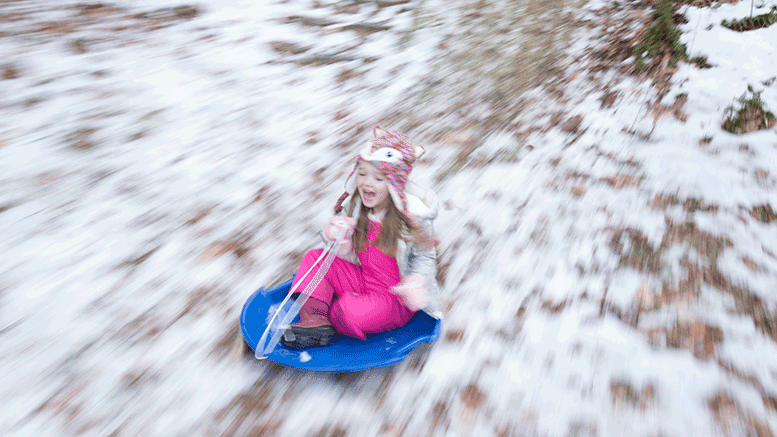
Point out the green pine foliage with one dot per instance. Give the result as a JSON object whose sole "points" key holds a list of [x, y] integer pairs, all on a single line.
{"points": [[752, 23], [661, 36], [701, 62], [751, 111]]}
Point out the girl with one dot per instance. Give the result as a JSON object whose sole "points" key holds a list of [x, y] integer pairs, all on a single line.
{"points": [[386, 269]]}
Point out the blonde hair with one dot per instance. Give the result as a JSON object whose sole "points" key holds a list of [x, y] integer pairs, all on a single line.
{"points": [[393, 227]]}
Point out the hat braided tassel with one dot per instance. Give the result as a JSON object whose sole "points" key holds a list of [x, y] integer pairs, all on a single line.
{"points": [[339, 204]]}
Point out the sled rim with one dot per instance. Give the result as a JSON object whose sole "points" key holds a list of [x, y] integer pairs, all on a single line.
{"points": [[346, 354]]}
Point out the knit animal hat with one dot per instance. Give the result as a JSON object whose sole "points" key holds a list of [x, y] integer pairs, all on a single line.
{"points": [[394, 155]]}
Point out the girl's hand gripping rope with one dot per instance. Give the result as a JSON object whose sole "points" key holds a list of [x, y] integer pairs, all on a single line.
{"points": [[341, 226], [412, 291]]}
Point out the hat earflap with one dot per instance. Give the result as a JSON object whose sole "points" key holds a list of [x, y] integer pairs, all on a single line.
{"points": [[396, 199]]}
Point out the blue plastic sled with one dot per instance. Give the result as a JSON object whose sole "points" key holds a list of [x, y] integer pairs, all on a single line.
{"points": [[346, 354]]}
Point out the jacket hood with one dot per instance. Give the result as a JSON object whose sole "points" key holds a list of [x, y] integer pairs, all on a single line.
{"points": [[421, 202]]}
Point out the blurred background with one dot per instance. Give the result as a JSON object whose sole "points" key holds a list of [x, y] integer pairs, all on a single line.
{"points": [[161, 160]]}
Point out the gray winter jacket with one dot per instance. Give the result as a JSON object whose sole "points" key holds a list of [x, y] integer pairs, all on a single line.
{"points": [[422, 203]]}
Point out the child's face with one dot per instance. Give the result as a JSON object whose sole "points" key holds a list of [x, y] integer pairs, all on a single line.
{"points": [[372, 186]]}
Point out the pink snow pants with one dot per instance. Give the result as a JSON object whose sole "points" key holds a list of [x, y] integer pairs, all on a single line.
{"points": [[357, 307]]}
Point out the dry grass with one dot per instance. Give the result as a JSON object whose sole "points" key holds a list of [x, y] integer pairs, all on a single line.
{"points": [[623, 393], [97, 16], [733, 419]]}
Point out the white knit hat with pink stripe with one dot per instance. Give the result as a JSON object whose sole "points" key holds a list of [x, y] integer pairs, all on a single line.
{"points": [[394, 155]]}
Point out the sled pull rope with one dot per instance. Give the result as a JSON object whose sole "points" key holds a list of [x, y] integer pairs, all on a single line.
{"points": [[281, 319]]}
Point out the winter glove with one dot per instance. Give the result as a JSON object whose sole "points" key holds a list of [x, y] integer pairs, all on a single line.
{"points": [[336, 226], [412, 291]]}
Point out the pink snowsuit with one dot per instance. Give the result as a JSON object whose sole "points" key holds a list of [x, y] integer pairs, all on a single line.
{"points": [[360, 298]]}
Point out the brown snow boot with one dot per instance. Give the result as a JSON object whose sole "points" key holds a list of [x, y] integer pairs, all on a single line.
{"points": [[313, 328]]}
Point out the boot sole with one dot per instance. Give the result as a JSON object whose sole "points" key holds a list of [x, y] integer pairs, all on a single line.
{"points": [[302, 338]]}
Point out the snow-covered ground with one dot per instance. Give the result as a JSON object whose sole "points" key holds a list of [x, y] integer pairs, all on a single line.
{"points": [[611, 266]]}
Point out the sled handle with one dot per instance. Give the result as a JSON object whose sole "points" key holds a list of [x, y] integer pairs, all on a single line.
{"points": [[282, 318]]}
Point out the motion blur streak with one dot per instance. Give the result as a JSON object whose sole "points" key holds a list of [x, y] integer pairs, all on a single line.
{"points": [[607, 251]]}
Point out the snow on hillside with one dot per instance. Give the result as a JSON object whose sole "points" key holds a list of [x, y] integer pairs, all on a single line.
{"points": [[610, 266]]}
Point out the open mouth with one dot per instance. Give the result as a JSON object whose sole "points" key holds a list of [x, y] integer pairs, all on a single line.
{"points": [[367, 195]]}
